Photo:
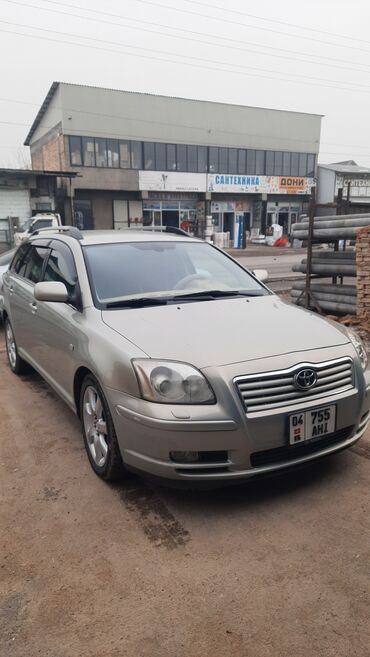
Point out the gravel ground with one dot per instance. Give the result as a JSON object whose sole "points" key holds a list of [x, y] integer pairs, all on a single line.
{"points": [[275, 568]]}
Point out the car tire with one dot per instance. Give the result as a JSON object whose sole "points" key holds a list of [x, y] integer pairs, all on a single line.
{"points": [[98, 432], [16, 363]]}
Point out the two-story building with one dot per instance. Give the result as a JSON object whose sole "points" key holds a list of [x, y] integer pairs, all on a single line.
{"points": [[161, 160]]}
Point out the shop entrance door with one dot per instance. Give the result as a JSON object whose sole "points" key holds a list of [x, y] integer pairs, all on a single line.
{"points": [[83, 217], [229, 219], [170, 218], [284, 222], [152, 218]]}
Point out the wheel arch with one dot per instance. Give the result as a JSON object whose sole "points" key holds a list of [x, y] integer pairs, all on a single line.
{"points": [[78, 380]]}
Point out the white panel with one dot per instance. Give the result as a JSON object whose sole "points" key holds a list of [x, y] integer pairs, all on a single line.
{"points": [[172, 182], [120, 214], [15, 203], [136, 211]]}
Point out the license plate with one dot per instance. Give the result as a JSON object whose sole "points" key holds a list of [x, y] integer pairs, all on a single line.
{"points": [[312, 425]]}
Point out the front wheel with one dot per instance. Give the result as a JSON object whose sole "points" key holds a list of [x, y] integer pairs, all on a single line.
{"points": [[98, 431], [16, 363]]}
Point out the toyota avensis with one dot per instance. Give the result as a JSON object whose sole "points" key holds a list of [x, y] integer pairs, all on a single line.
{"points": [[178, 361]]}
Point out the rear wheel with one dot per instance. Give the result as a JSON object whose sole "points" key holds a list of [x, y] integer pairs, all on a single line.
{"points": [[16, 363], [98, 431]]}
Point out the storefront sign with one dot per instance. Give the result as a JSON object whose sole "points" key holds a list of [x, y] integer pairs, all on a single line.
{"points": [[225, 183], [358, 186], [166, 181]]}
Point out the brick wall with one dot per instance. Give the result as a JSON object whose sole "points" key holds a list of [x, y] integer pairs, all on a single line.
{"points": [[50, 156], [363, 272]]}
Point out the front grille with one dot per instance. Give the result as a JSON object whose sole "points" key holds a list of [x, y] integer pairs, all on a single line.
{"points": [[291, 452], [261, 392]]}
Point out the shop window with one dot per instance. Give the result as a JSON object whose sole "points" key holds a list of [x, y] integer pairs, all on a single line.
{"points": [[101, 152], [213, 159], [294, 164], [75, 151], [192, 158], [88, 151], [286, 164], [223, 160], [251, 161], [182, 164], [260, 163], [136, 155], [278, 166], [302, 167], [124, 154], [233, 160], [113, 156], [270, 163], [171, 157], [202, 159], [310, 165], [160, 157], [242, 161], [149, 155]]}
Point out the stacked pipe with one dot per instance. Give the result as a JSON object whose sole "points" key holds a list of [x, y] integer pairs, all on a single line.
{"points": [[332, 228], [330, 297], [337, 299]]}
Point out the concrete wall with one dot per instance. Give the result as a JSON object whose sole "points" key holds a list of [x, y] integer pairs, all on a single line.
{"points": [[105, 112], [51, 118]]}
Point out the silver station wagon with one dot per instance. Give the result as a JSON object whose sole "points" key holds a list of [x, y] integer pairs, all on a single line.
{"points": [[179, 362]]}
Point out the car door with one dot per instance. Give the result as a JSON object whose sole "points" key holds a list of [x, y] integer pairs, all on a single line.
{"points": [[57, 325], [26, 270]]}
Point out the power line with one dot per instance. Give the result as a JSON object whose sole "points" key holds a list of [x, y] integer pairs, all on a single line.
{"points": [[277, 22], [254, 27], [355, 86], [141, 22]]}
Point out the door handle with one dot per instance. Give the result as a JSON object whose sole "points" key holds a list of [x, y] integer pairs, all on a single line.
{"points": [[33, 306], [11, 289]]}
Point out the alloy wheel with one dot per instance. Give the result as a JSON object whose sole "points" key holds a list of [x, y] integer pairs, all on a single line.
{"points": [[95, 426], [10, 345]]}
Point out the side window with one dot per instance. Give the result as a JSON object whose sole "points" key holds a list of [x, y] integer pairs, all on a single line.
{"points": [[61, 267], [19, 258], [34, 263]]}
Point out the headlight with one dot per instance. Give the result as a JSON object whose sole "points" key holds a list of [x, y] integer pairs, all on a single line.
{"points": [[360, 348], [172, 383]]}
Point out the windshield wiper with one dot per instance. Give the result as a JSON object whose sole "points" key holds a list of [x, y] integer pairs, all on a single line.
{"points": [[138, 302], [203, 295], [219, 294]]}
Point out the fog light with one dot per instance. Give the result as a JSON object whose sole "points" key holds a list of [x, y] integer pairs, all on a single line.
{"points": [[184, 457]]}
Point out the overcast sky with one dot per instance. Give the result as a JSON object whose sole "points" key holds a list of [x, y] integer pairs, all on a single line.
{"points": [[309, 57]]}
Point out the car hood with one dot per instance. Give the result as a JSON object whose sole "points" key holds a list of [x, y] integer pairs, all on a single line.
{"points": [[222, 332]]}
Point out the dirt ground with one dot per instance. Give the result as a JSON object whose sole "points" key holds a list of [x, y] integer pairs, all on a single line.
{"points": [[278, 568]]}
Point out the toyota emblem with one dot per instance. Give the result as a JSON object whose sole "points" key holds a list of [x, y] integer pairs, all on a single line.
{"points": [[305, 379]]}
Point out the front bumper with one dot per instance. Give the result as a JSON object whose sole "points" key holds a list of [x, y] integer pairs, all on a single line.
{"points": [[148, 432]]}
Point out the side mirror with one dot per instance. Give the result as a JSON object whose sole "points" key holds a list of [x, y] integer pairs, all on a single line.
{"points": [[51, 291], [262, 275]]}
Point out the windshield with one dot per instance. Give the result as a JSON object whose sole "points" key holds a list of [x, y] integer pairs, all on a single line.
{"points": [[24, 227], [163, 270]]}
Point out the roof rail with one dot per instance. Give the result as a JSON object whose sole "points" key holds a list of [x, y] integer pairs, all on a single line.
{"points": [[162, 229], [71, 231]]}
